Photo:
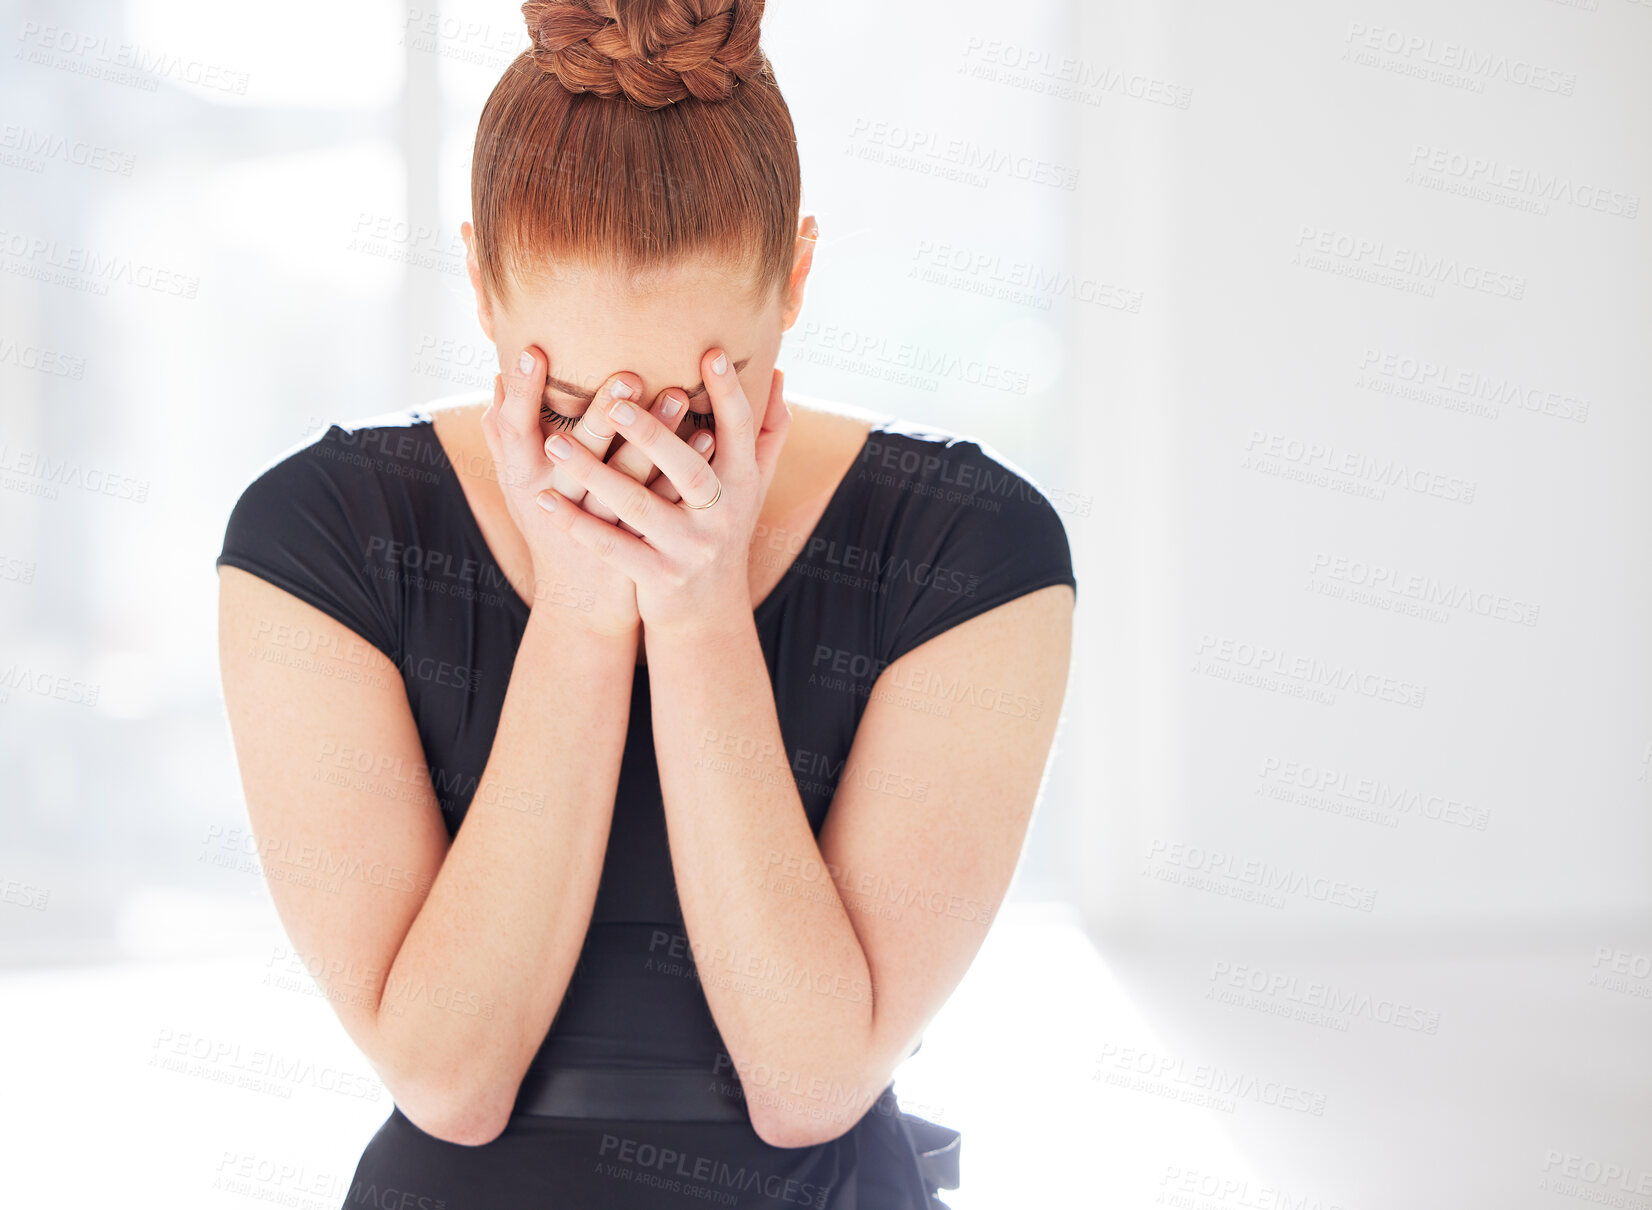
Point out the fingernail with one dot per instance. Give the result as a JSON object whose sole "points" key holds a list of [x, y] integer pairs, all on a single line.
{"points": [[702, 442], [558, 447], [720, 366], [670, 407], [546, 501], [621, 391], [622, 413], [524, 363]]}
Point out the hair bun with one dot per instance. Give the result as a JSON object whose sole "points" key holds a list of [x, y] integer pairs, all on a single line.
{"points": [[656, 52]]}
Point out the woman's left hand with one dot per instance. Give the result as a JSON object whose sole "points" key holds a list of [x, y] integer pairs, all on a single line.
{"points": [[689, 564]]}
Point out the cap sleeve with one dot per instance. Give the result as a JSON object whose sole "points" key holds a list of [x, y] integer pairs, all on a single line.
{"points": [[305, 523], [976, 533]]}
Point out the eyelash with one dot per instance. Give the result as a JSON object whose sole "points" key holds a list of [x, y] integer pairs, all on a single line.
{"points": [[696, 420], [548, 413]]}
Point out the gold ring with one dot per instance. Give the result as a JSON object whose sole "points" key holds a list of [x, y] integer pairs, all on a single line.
{"points": [[708, 503]]}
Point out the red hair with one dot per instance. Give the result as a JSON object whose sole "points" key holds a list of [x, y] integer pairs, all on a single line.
{"points": [[636, 134]]}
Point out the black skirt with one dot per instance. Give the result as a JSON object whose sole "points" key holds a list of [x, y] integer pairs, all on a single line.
{"points": [[889, 1160]]}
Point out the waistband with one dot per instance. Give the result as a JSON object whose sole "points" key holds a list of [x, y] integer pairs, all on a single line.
{"points": [[688, 1095], [631, 1094]]}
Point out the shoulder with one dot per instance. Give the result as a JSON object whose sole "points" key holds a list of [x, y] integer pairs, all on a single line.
{"points": [[940, 480], [926, 466], [959, 528], [345, 461], [341, 487], [313, 519]]}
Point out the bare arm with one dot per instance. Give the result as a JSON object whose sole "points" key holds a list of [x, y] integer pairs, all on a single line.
{"points": [[845, 948], [817, 993], [461, 953]]}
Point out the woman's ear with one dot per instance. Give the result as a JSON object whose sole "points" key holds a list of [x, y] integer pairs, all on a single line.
{"points": [[808, 234], [484, 308]]}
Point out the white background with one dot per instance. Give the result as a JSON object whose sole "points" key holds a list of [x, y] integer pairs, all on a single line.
{"points": [[1333, 356]]}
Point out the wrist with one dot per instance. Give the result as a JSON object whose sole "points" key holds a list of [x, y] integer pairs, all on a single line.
{"points": [[726, 621], [567, 619]]}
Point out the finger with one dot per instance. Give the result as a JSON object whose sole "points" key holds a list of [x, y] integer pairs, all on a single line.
{"points": [[640, 508], [490, 416], [631, 555], [736, 424], [777, 423], [506, 471], [670, 409], [517, 417], [670, 406], [595, 432], [680, 462], [659, 483]]}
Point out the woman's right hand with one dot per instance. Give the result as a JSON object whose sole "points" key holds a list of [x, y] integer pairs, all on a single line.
{"points": [[516, 438]]}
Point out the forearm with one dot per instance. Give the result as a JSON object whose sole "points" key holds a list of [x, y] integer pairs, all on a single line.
{"points": [[784, 974], [508, 911]]}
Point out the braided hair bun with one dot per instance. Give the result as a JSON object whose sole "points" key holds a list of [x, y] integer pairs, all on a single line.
{"points": [[653, 52]]}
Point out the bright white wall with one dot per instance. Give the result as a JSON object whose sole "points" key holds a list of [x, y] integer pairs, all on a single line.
{"points": [[272, 211], [1360, 261]]}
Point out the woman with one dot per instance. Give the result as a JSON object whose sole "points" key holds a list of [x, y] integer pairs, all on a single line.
{"points": [[744, 740]]}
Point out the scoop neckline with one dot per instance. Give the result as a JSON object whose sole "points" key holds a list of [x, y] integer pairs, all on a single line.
{"points": [[782, 587]]}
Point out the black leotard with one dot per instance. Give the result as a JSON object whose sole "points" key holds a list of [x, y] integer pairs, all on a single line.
{"points": [[369, 523]]}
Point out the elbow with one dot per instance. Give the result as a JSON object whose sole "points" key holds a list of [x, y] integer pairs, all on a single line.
{"points": [[455, 1124], [445, 1105], [827, 1099], [817, 1121], [787, 1130], [465, 1121]]}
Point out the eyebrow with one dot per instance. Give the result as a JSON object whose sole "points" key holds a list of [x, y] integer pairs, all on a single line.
{"points": [[568, 388]]}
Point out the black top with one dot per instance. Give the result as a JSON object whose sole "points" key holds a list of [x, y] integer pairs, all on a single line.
{"points": [[369, 524]]}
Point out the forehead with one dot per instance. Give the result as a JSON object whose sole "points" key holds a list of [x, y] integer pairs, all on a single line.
{"points": [[592, 321]]}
